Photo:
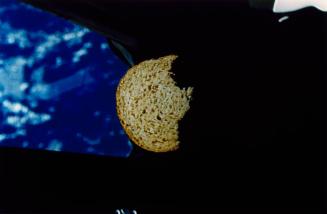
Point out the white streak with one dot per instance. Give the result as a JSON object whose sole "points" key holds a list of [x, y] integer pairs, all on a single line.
{"points": [[81, 52], [78, 54], [283, 19], [47, 46]]}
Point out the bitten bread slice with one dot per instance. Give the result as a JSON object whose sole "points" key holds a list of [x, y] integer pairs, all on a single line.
{"points": [[150, 105]]}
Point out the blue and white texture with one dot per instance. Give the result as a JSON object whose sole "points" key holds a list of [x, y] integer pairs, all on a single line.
{"points": [[57, 85]]}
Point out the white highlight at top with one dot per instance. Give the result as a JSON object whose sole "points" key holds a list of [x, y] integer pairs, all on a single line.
{"points": [[283, 6], [321, 5]]}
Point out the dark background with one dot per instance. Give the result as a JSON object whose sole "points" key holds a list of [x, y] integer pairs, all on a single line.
{"points": [[252, 141]]}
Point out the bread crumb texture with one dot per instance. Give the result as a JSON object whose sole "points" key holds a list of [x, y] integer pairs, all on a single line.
{"points": [[150, 105]]}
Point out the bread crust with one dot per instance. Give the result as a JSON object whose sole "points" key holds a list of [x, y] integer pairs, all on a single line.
{"points": [[167, 146]]}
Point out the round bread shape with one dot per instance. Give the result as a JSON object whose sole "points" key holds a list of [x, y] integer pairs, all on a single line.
{"points": [[150, 105]]}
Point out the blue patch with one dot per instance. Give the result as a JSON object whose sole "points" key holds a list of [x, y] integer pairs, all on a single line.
{"points": [[57, 85]]}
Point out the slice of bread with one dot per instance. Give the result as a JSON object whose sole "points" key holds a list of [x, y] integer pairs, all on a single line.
{"points": [[150, 105]]}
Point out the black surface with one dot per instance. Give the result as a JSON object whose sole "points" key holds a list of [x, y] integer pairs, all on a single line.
{"points": [[252, 140]]}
